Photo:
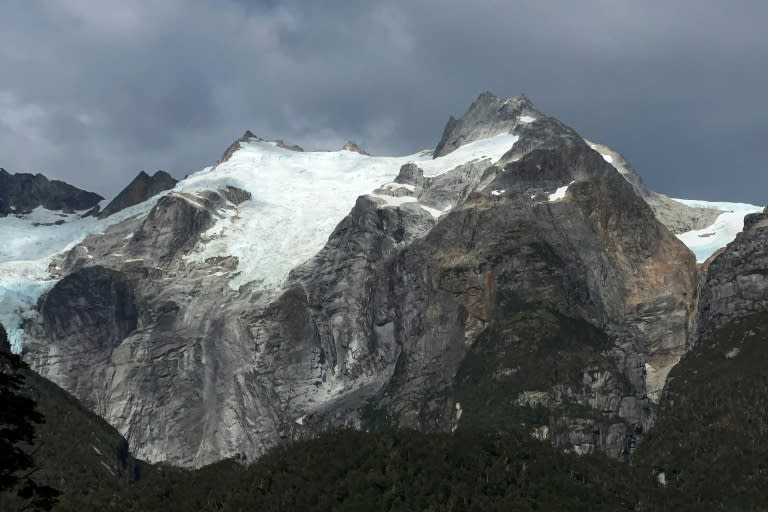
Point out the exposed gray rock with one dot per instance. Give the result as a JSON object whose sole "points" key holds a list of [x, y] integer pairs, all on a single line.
{"points": [[248, 135], [598, 255], [139, 190], [678, 217], [22, 193], [293, 147], [351, 146], [83, 318], [487, 116], [734, 282]]}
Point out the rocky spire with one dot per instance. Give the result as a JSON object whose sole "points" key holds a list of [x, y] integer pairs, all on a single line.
{"points": [[248, 135], [487, 116], [139, 190]]}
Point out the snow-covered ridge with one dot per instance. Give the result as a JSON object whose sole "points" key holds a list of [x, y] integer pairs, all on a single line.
{"points": [[299, 198], [705, 242], [297, 201]]}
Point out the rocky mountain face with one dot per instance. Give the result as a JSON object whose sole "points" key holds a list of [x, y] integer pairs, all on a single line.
{"points": [[497, 292], [678, 217], [540, 288], [139, 190], [22, 193], [734, 284]]}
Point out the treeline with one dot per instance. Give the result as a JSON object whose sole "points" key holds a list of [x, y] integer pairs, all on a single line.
{"points": [[709, 447]]}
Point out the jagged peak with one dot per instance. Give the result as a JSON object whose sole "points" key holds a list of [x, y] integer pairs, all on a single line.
{"points": [[141, 188], [161, 174], [248, 135], [487, 98], [488, 115]]}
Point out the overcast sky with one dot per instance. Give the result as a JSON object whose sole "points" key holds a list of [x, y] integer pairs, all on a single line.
{"points": [[93, 91]]}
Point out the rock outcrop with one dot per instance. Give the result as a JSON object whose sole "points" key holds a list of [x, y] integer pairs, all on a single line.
{"points": [[290, 147], [351, 146], [678, 217], [486, 117], [248, 135], [22, 193], [734, 281], [139, 190]]}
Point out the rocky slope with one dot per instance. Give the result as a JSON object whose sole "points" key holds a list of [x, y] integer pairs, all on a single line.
{"points": [[139, 190], [510, 278], [678, 217]]}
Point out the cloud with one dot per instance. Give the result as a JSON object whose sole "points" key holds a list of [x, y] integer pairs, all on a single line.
{"points": [[92, 92]]}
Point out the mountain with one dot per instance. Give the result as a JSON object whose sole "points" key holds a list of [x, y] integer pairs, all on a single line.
{"points": [[139, 190], [516, 277], [21, 193]]}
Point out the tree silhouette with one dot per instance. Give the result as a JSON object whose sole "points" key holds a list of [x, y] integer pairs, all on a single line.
{"points": [[18, 417]]}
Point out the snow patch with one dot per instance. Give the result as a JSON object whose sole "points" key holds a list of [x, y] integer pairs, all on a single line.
{"points": [[434, 211], [394, 186], [394, 200], [705, 242], [656, 377], [497, 192], [608, 158], [526, 119], [559, 193]]}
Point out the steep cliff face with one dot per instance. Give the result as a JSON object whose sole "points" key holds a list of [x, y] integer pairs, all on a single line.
{"points": [[678, 217], [511, 278], [734, 281], [545, 300], [139, 190]]}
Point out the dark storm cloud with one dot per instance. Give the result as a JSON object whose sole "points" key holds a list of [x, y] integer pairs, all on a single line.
{"points": [[94, 91]]}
